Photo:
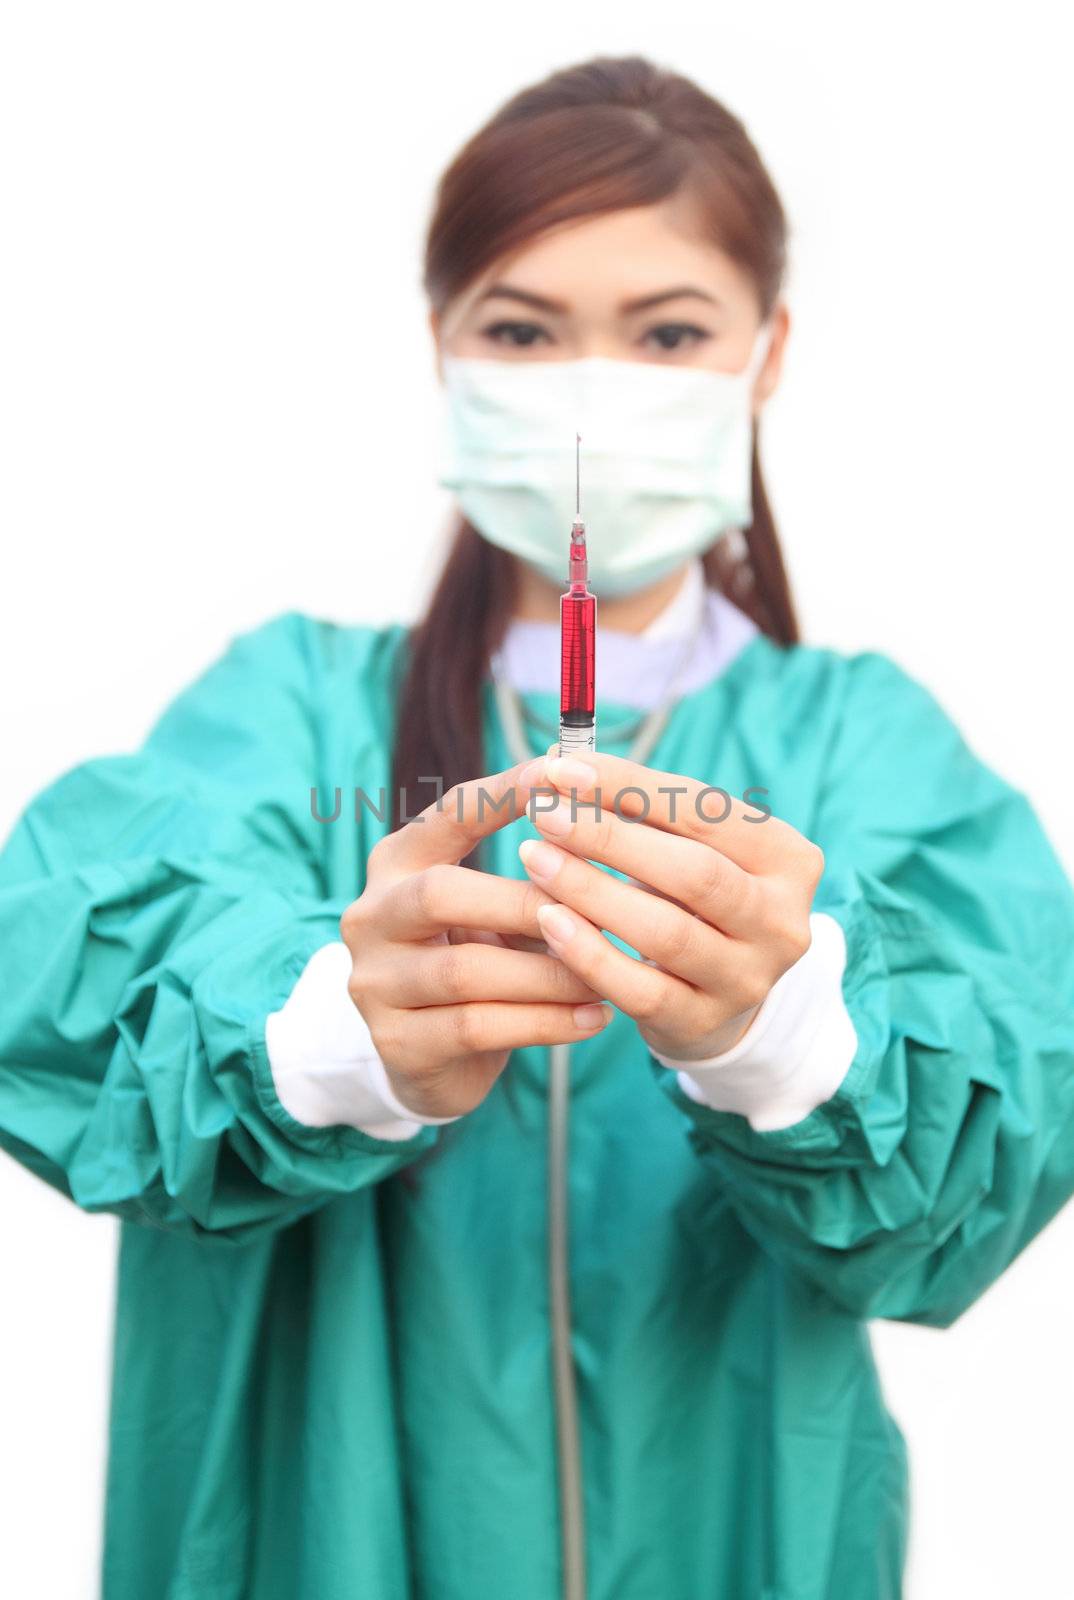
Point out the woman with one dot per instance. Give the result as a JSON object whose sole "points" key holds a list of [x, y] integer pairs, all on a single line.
{"points": [[359, 1351]]}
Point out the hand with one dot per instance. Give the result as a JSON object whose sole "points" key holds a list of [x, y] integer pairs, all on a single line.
{"points": [[719, 909], [450, 970]]}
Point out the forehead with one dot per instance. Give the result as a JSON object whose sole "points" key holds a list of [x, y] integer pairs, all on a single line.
{"points": [[594, 263]]}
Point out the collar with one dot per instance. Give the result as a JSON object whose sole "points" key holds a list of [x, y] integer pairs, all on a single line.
{"points": [[635, 669]]}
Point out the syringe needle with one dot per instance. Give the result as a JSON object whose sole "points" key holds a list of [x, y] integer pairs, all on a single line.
{"points": [[578, 474]]}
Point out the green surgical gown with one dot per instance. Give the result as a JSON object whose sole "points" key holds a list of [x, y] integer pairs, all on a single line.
{"points": [[332, 1352]]}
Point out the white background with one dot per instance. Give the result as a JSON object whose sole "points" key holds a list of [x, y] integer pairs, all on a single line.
{"points": [[217, 404]]}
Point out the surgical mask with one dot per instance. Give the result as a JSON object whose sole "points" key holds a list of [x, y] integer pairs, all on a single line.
{"points": [[665, 459]]}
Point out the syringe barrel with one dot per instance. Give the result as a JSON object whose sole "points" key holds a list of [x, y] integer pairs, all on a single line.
{"points": [[577, 696], [578, 632]]}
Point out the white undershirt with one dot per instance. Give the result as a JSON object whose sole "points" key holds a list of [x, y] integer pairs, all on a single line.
{"points": [[791, 1059]]}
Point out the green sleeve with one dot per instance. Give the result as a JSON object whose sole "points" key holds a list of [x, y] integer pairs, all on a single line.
{"points": [[154, 909], [950, 1142]]}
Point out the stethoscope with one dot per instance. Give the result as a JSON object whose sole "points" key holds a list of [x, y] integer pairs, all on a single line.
{"points": [[643, 730]]}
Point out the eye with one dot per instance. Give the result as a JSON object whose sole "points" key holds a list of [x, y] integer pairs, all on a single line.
{"points": [[519, 334], [676, 335]]}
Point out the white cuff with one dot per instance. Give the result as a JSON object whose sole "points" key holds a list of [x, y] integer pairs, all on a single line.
{"points": [[324, 1065], [796, 1051]]}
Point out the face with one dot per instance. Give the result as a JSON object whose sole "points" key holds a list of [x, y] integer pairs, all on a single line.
{"points": [[636, 285]]}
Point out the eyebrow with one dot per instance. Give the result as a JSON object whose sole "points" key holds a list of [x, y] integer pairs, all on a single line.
{"points": [[540, 302]]}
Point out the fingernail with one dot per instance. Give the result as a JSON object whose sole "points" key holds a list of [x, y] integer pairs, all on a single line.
{"points": [[557, 925], [566, 772], [592, 1016], [557, 819], [532, 773], [540, 860]]}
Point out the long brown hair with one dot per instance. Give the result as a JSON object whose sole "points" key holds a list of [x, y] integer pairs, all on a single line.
{"points": [[602, 136]]}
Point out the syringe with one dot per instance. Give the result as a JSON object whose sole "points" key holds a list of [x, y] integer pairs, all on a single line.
{"points": [[578, 631]]}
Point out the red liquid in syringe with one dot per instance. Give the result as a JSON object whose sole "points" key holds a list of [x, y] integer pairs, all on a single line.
{"points": [[578, 632]]}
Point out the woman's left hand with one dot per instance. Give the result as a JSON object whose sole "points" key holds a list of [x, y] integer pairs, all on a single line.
{"points": [[719, 908]]}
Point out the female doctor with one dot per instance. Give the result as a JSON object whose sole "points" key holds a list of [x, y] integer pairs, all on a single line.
{"points": [[519, 1242]]}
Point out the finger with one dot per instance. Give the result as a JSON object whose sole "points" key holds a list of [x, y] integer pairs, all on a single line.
{"points": [[657, 928], [706, 880], [443, 896], [450, 974], [676, 804], [494, 1025], [638, 989], [451, 825]]}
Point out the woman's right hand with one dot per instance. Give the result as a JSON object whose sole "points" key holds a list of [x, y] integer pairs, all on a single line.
{"points": [[445, 997]]}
